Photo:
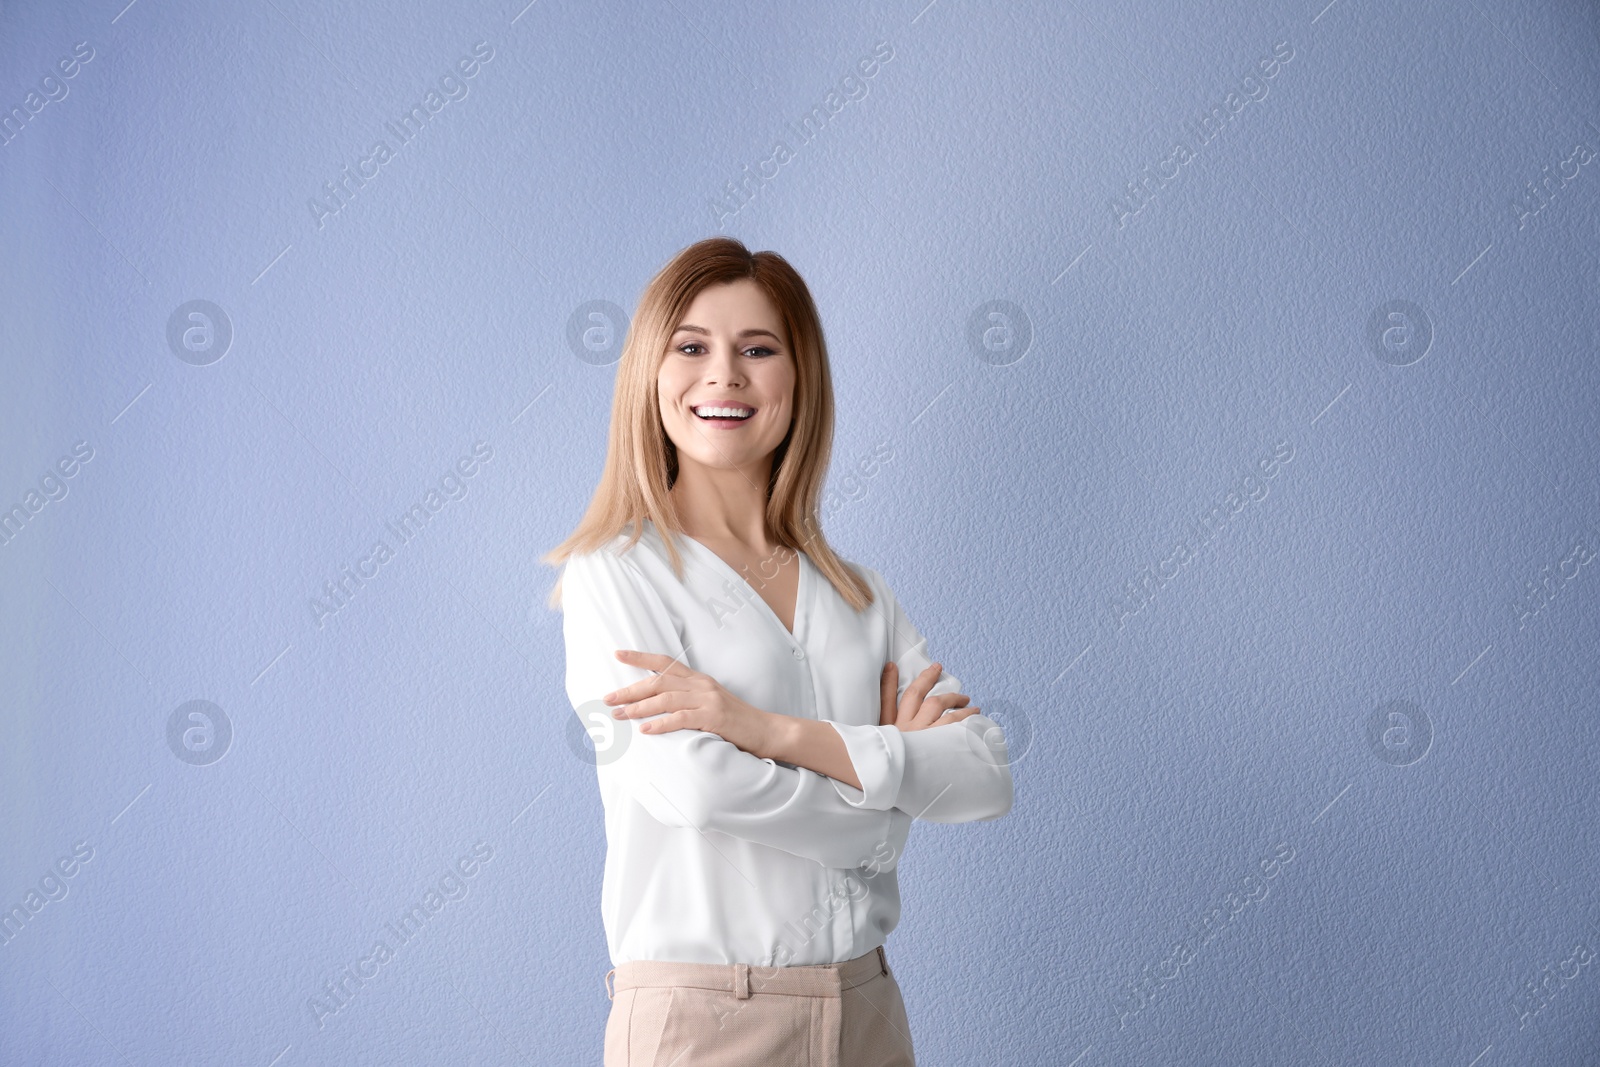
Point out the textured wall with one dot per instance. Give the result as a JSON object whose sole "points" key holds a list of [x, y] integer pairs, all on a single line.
{"points": [[1216, 387]]}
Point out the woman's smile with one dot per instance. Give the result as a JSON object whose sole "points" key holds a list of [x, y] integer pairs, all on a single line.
{"points": [[728, 367], [726, 415]]}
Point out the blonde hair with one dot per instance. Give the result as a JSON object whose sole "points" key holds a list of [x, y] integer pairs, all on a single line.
{"points": [[641, 460]]}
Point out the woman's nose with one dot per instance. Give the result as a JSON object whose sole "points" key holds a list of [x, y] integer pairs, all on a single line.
{"points": [[723, 368]]}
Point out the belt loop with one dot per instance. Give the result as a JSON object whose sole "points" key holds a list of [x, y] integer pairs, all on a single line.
{"points": [[741, 980], [611, 993], [883, 961]]}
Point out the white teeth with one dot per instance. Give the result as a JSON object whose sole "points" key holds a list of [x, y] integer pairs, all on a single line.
{"points": [[730, 413]]}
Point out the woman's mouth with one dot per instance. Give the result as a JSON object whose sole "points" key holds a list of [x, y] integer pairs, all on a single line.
{"points": [[723, 414]]}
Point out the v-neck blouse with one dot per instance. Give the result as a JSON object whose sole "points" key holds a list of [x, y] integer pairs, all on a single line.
{"points": [[713, 854], [747, 592]]}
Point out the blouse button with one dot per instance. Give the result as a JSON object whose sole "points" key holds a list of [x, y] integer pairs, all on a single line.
{"points": [[798, 652]]}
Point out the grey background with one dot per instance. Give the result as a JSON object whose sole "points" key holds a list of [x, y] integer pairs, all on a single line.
{"points": [[1175, 724]]}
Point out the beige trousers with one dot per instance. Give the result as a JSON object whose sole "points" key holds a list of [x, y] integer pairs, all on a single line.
{"points": [[735, 1015]]}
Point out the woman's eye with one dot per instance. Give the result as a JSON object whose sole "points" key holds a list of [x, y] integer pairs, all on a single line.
{"points": [[756, 351]]}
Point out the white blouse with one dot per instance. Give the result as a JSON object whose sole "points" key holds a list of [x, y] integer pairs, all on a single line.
{"points": [[713, 854]]}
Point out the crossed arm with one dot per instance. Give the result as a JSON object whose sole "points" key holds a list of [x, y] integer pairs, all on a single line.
{"points": [[708, 761], [677, 698]]}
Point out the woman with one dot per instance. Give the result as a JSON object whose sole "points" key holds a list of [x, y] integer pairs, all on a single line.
{"points": [[765, 762]]}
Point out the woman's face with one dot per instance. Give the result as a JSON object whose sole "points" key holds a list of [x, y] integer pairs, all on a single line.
{"points": [[728, 352]]}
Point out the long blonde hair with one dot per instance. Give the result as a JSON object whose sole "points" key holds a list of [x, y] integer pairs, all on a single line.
{"points": [[641, 460]]}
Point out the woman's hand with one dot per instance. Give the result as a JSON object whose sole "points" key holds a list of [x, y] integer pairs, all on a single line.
{"points": [[682, 699], [917, 710]]}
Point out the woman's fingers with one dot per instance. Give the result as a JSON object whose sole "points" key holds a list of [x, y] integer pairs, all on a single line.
{"points": [[654, 661], [888, 687], [917, 692], [676, 720], [676, 700], [932, 711], [664, 666]]}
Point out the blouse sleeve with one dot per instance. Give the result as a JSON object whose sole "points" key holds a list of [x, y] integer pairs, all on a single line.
{"points": [[958, 772], [693, 778]]}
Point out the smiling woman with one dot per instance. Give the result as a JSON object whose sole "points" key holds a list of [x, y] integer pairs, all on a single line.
{"points": [[755, 815], [741, 388]]}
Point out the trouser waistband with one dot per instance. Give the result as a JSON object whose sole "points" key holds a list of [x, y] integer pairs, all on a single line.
{"points": [[744, 980]]}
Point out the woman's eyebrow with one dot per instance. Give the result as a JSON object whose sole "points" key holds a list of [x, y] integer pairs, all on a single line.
{"points": [[752, 332]]}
